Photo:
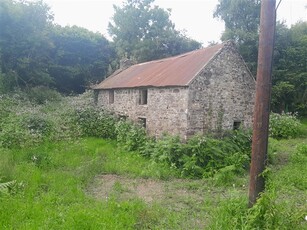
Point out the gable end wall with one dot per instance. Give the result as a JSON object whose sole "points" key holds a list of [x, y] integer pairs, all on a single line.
{"points": [[222, 93]]}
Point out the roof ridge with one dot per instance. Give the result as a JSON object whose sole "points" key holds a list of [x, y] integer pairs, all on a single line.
{"points": [[177, 70]]}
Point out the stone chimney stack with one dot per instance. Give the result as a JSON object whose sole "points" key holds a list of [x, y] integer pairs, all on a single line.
{"points": [[125, 63]]}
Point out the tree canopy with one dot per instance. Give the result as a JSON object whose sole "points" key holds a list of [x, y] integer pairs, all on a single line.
{"points": [[36, 52], [242, 19], [142, 31], [24, 43]]}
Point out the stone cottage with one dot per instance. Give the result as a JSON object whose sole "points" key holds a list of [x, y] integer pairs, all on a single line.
{"points": [[203, 91]]}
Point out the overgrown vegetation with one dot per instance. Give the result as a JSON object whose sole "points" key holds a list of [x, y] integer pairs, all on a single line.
{"points": [[48, 161], [51, 147], [284, 125]]}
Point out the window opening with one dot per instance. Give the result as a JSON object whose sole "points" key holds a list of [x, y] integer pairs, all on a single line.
{"points": [[236, 125], [143, 97], [111, 96], [142, 122]]}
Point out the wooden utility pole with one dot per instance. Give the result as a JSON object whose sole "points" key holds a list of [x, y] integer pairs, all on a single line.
{"points": [[262, 100]]}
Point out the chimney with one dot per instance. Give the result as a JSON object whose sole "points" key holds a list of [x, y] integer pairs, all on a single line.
{"points": [[125, 63]]}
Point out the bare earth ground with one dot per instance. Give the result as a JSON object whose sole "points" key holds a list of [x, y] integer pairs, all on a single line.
{"points": [[149, 190], [192, 198], [177, 195]]}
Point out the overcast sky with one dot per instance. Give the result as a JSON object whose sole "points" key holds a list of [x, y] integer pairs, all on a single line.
{"points": [[193, 16]]}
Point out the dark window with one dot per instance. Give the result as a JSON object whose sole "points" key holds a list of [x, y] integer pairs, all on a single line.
{"points": [[142, 122], [111, 96], [143, 97], [236, 125], [96, 94]]}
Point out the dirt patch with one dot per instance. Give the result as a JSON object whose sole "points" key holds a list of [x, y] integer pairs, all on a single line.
{"points": [[149, 190]]}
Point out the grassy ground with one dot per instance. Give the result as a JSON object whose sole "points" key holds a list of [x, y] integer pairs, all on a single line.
{"points": [[92, 184]]}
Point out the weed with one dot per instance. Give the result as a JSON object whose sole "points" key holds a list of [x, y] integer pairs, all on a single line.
{"points": [[284, 125]]}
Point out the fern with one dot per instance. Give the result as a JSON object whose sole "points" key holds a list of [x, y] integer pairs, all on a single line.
{"points": [[5, 187]]}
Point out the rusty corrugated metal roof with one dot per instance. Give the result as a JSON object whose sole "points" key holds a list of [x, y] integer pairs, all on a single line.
{"points": [[173, 71]]}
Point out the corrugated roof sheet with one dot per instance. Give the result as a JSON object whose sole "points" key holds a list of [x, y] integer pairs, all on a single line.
{"points": [[173, 71]]}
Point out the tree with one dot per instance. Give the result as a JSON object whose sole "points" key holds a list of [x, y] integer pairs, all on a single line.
{"points": [[35, 52], [79, 58], [145, 32], [290, 71], [24, 43], [241, 19]]}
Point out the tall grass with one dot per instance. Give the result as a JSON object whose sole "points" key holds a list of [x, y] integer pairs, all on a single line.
{"points": [[48, 159], [51, 181]]}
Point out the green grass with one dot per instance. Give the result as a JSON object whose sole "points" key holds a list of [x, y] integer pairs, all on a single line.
{"points": [[52, 181], [51, 187]]}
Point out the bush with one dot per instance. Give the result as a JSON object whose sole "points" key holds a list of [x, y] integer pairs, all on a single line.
{"points": [[169, 150], [94, 122], [284, 125], [130, 136], [42, 94], [206, 156], [201, 156], [23, 123]]}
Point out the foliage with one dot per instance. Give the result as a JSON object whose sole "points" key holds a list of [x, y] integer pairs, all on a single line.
{"points": [[201, 156], [41, 94], [25, 124], [94, 122], [143, 32], [241, 25], [284, 125], [79, 58], [130, 136], [289, 91], [24, 43], [242, 20], [36, 52], [168, 150], [5, 187], [206, 156]]}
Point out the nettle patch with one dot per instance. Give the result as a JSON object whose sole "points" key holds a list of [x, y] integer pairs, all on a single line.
{"points": [[26, 124]]}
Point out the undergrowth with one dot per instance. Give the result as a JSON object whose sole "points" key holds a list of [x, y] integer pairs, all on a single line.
{"points": [[48, 160]]}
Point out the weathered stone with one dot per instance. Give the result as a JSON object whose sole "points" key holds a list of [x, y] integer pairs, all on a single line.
{"points": [[220, 97]]}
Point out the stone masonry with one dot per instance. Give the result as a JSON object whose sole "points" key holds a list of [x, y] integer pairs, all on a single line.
{"points": [[220, 97], [165, 111]]}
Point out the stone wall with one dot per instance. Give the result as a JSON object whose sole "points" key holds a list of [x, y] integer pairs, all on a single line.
{"points": [[222, 93], [165, 111]]}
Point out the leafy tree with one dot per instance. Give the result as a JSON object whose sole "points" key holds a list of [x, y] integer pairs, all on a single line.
{"points": [[35, 52], [290, 70], [145, 32], [241, 19], [24, 43], [79, 57]]}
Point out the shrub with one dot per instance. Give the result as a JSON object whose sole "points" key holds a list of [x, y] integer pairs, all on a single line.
{"points": [[206, 156], [42, 94], [94, 122], [130, 136], [169, 150], [37, 124], [200, 156], [284, 125]]}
